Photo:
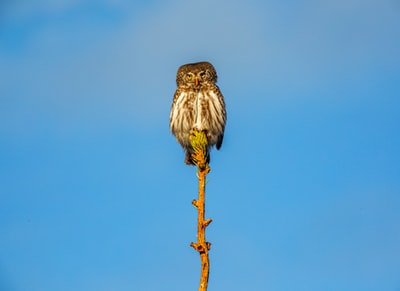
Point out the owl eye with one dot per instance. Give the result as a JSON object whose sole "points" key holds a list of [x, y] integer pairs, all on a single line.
{"points": [[203, 75], [189, 77]]}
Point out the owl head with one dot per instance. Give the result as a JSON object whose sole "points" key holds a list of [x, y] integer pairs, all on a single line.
{"points": [[196, 74]]}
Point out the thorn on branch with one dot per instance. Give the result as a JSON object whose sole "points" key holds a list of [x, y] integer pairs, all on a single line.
{"points": [[201, 247], [207, 222], [195, 246]]}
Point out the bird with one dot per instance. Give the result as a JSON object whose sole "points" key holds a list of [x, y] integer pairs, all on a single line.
{"points": [[197, 104]]}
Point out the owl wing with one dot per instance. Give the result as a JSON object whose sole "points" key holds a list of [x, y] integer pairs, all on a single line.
{"points": [[220, 104], [182, 116], [174, 114]]}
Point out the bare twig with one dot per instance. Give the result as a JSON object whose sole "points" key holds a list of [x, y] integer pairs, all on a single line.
{"points": [[199, 143]]}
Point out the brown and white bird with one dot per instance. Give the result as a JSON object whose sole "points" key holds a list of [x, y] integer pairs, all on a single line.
{"points": [[198, 105]]}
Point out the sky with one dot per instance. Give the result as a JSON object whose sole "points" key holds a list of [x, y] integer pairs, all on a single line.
{"points": [[304, 193]]}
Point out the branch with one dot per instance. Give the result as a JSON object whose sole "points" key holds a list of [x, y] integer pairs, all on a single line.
{"points": [[199, 143]]}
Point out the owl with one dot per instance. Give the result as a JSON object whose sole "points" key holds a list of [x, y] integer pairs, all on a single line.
{"points": [[197, 105]]}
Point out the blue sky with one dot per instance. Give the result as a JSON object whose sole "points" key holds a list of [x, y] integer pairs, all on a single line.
{"points": [[304, 194]]}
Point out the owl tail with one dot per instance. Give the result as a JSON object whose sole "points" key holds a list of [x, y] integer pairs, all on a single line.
{"points": [[189, 159]]}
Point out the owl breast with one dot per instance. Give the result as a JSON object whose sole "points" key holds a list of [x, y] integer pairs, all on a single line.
{"points": [[202, 109]]}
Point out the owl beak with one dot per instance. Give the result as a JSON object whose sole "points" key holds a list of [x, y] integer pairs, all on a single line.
{"points": [[196, 81]]}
